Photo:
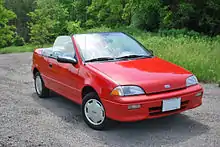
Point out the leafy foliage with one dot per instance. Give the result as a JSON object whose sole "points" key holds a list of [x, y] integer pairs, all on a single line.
{"points": [[73, 27], [18, 40], [21, 8], [146, 15], [55, 17], [6, 31], [198, 15], [106, 11], [47, 21]]}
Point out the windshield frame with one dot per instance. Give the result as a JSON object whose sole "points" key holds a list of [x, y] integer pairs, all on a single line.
{"points": [[128, 35]]}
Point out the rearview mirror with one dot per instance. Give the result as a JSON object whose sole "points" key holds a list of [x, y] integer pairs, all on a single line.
{"points": [[66, 59]]}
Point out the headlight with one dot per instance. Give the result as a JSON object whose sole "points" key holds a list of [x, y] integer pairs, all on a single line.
{"points": [[191, 81], [127, 91]]}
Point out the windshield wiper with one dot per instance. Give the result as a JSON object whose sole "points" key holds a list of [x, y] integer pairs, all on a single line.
{"points": [[100, 59], [133, 56]]}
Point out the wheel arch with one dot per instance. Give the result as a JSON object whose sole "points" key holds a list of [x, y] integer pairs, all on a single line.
{"points": [[87, 89], [35, 70]]}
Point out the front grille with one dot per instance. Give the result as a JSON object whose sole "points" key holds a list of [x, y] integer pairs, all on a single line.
{"points": [[158, 110], [166, 91]]}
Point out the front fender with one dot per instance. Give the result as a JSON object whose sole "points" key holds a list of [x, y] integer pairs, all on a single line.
{"points": [[102, 84]]}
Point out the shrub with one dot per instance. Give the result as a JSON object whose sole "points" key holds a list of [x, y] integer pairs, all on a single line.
{"points": [[178, 32], [18, 41], [101, 29], [73, 27], [6, 36], [146, 15], [6, 31], [47, 21]]}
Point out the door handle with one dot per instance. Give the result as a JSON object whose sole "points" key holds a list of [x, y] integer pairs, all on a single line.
{"points": [[50, 65]]}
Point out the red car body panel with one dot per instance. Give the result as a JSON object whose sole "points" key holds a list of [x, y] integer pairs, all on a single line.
{"points": [[151, 74]]}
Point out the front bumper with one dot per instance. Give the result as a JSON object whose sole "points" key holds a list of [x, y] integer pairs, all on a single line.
{"points": [[151, 105]]}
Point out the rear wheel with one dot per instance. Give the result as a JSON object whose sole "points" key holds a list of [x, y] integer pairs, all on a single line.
{"points": [[94, 112], [40, 88]]}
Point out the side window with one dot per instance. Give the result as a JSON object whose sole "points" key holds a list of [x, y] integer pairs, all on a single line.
{"points": [[63, 46], [69, 49]]}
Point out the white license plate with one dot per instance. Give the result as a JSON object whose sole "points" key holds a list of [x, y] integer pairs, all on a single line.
{"points": [[171, 104]]}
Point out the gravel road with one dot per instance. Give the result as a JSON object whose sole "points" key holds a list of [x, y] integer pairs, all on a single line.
{"points": [[26, 120]]}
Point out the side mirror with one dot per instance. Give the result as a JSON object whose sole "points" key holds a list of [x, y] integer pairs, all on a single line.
{"points": [[66, 59]]}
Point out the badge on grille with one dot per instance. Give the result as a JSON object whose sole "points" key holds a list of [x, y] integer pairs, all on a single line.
{"points": [[167, 86]]}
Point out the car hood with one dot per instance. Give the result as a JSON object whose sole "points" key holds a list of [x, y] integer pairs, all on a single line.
{"points": [[152, 74]]}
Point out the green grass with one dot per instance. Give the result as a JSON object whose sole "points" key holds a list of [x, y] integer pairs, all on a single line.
{"points": [[18, 49], [200, 55]]}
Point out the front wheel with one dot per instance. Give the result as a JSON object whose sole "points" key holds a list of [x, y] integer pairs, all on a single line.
{"points": [[94, 112], [40, 88]]}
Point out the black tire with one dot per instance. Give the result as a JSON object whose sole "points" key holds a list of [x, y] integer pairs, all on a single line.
{"points": [[45, 92], [106, 121]]}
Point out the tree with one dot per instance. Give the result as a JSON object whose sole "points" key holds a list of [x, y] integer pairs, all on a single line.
{"points": [[48, 21], [21, 8], [69, 16], [198, 15], [146, 14], [6, 31], [106, 12]]}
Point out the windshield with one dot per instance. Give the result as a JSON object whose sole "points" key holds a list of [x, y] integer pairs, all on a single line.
{"points": [[109, 46]]}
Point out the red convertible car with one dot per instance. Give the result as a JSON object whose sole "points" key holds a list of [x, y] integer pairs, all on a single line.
{"points": [[113, 77]]}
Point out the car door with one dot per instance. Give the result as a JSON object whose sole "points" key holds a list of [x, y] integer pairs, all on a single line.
{"points": [[53, 71], [65, 75], [53, 68], [68, 75]]}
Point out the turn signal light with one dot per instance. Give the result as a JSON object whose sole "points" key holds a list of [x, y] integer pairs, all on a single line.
{"points": [[115, 92]]}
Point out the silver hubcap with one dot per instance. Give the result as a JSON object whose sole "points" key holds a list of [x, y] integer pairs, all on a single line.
{"points": [[94, 112], [38, 84]]}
